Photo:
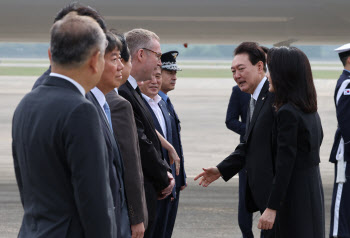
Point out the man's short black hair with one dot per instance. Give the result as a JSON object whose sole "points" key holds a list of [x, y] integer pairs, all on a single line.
{"points": [[82, 10], [254, 51], [113, 42], [344, 57], [265, 49], [124, 51]]}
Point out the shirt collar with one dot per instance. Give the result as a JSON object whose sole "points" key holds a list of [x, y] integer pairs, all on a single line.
{"points": [[99, 96], [116, 90], [75, 83], [132, 81], [163, 95], [156, 99], [257, 91], [347, 70]]}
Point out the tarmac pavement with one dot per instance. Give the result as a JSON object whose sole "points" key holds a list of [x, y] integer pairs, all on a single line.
{"points": [[201, 105]]}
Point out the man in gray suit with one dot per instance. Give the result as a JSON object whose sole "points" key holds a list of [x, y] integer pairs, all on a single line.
{"points": [[58, 143]]}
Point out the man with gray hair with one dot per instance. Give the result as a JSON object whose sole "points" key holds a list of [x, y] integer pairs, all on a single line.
{"points": [[145, 53], [58, 147]]}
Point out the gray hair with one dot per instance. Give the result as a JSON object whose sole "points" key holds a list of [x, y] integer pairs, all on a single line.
{"points": [[138, 39], [74, 39]]}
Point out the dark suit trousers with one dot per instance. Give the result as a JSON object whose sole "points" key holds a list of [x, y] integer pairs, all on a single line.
{"points": [[172, 213], [163, 208], [167, 210], [245, 218]]}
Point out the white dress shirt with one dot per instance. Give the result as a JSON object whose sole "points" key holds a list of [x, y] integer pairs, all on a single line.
{"points": [[257, 91], [153, 103], [132, 81], [100, 98], [75, 83]]}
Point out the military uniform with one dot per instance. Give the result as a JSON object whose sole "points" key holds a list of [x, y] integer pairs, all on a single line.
{"points": [[340, 155]]}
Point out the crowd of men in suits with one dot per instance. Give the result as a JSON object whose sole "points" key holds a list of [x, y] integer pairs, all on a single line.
{"points": [[97, 148], [96, 143]]}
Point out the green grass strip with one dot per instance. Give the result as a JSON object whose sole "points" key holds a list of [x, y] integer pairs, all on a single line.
{"points": [[22, 71], [186, 73]]}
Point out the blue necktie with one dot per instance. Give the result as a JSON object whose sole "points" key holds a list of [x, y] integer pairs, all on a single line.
{"points": [[108, 113]]}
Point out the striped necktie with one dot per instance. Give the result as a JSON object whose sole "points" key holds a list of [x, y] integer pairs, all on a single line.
{"points": [[251, 108], [108, 113]]}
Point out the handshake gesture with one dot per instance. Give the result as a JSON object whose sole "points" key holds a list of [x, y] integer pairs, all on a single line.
{"points": [[208, 176]]}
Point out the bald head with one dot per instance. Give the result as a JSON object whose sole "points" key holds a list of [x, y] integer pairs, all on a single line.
{"points": [[74, 39]]}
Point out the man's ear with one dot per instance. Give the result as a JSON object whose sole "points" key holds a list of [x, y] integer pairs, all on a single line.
{"points": [[140, 55], [93, 62], [260, 65], [348, 61], [50, 56]]}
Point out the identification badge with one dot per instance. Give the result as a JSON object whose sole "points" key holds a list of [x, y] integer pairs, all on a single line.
{"points": [[347, 92]]}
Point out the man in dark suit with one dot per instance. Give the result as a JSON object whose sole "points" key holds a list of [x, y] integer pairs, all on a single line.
{"points": [[81, 10], [237, 109], [340, 154], [169, 70], [145, 52], [124, 126], [161, 120], [112, 71], [256, 153], [58, 144]]}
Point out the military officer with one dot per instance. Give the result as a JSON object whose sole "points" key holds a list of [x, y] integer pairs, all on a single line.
{"points": [[340, 154]]}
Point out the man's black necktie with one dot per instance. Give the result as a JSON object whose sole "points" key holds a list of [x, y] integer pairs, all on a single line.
{"points": [[171, 107]]}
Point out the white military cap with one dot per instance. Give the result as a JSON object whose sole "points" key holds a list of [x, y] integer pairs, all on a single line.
{"points": [[343, 48]]}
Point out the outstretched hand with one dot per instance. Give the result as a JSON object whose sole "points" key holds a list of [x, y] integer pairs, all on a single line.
{"points": [[208, 176]]}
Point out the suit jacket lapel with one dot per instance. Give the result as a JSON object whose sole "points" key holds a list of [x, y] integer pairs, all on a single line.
{"points": [[140, 101], [259, 104], [101, 112], [155, 119], [117, 161]]}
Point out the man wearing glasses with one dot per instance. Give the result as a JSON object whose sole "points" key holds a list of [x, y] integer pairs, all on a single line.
{"points": [[145, 54]]}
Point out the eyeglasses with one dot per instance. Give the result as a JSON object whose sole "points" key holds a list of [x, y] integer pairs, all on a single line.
{"points": [[156, 53]]}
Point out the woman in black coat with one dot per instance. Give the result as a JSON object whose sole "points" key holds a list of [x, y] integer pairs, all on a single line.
{"points": [[296, 203]]}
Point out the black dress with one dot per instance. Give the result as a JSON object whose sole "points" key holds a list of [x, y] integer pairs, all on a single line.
{"points": [[297, 192]]}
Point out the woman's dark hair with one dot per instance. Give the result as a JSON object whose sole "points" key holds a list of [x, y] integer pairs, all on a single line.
{"points": [[124, 50], [291, 78], [113, 42]]}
